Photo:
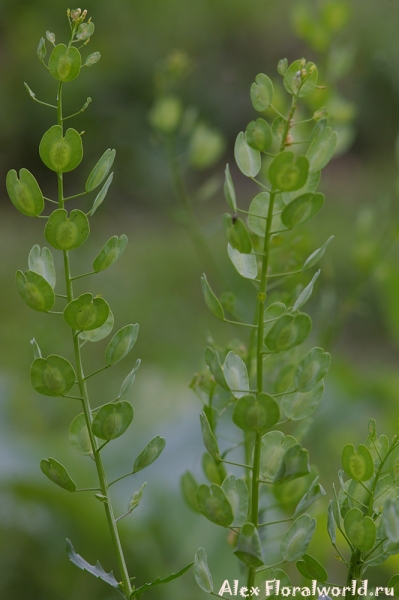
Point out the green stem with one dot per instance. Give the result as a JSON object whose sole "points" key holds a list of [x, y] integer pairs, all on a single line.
{"points": [[186, 203], [85, 397], [261, 299]]}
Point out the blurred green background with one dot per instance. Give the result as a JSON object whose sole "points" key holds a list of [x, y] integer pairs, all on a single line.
{"points": [[156, 283]]}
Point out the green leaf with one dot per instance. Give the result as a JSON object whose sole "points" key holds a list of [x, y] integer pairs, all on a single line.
{"points": [[318, 129], [310, 568], [52, 376], [214, 505], [109, 254], [189, 488], [57, 473], [390, 519], [256, 414], [202, 573], [311, 185], [358, 465], [301, 405], [295, 464], [95, 570], [64, 63], [205, 147], [312, 368], [273, 311], [41, 50], [300, 79], [287, 172], [258, 212], [359, 494], [394, 463], [245, 264], [41, 261], [86, 313], [61, 153], [138, 591], [129, 379], [360, 530], [331, 523], [149, 454], [394, 583], [261, 92], [317, 255], [278, 127], [214, 470], [314, 492], [306, 292], [211, 300], [274, 446], [208, 437], [297, 539], [302, 209], [237, 234], [248, 548], [85, 31], [25, 193], [213, 361], [259, 135], [92, 59], [236, 375], [378, 447], [79, 435], [96, 335], [36, 292], [237, 494], [121, 344], [136, 498], [322, 149], [384, 491], [112, 420], [229, 191], [288, 331], [248, 159], [67, 233], [100, 170], [101, 195], [282, 66]]}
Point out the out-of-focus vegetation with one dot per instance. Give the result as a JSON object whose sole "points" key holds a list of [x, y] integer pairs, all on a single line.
{"points": [[157, 282]]}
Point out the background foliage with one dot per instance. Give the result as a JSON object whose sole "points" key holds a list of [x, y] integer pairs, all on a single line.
{"points": [[156, 283]]}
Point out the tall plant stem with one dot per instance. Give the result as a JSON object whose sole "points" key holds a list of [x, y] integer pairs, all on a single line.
{"points": [[127, 588], [185, 202], [261, 299]]}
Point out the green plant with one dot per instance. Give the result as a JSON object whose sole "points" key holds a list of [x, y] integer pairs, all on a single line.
{"points": [[268, 384], [366, 509], [89, 318], [268, 387]]}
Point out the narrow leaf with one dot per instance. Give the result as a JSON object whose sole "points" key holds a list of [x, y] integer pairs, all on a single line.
{"points": [[229, 191], [95, 570], [58, 474], [248, 159], [211, 300], [209, 439], [236, 375], [121, 344], [138, 591], [306, 292], [202, 573], [149, 454]]}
